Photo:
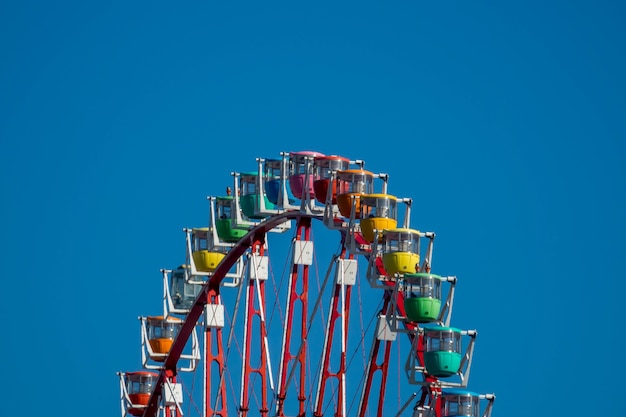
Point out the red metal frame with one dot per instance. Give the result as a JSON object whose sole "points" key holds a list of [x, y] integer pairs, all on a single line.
{"points": [[297, 360], [326, 373], [214, 354], [373, 367], [248, 369], [171, 377]]}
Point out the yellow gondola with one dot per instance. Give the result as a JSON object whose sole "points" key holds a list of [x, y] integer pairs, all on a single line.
{"points": [[401, 249], [205, 260]]}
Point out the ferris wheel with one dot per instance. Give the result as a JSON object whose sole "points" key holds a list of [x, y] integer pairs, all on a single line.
{"points": [[306, 294]]}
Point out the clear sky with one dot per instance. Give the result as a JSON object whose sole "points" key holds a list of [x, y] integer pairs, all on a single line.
{"points": [[504, 121]]}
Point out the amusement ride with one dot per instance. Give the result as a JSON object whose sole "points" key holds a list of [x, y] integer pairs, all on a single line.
{"points": [[253, 323]]}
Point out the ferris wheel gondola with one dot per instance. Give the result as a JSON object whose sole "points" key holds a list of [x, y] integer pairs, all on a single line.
{"points": [[135, 389]]}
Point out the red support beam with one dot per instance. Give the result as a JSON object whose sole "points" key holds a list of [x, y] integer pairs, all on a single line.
{"points": [[215, 403], [325, 373], [373, 366], [259, 338], [299, 273]]}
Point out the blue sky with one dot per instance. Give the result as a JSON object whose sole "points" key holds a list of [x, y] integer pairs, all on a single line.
{"points": [[504, 123]]}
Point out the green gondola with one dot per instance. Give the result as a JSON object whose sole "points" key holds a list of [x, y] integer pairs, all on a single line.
{"points": [[442, 357], [249, 198], [422, 297], [225, 231]]}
